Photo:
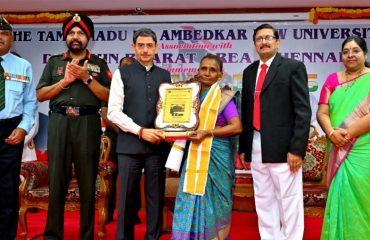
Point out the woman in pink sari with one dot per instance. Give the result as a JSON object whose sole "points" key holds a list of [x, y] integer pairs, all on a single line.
{"points": [[343, 114]]}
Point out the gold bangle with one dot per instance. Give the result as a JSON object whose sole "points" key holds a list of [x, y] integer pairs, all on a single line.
{"points": [[331, 132], [61, 85]]}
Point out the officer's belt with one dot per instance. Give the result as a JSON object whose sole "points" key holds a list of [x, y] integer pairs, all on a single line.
{"points": [[4, 122], [74, 111]]}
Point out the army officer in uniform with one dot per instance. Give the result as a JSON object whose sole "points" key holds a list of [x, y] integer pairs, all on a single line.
{"points": [[76, 83]]}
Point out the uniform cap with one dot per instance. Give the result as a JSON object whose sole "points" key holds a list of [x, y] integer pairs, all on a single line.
{"points": [[4, 24]]}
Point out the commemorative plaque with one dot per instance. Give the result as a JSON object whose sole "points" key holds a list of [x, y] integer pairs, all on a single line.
{"points": [[177, 108]]}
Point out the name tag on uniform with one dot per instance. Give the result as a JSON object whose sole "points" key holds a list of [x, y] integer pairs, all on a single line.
{"points": [[17, 77], [93, 68]]}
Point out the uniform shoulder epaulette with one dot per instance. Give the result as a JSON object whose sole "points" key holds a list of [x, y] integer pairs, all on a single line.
{"points": [[98, 57], [56, 55]]}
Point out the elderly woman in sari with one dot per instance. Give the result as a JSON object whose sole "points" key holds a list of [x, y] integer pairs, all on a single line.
{"points": [[204, 198], [344, 116]]}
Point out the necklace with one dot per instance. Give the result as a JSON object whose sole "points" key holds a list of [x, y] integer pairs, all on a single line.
{"points": [[348, 74], [357, 74]]}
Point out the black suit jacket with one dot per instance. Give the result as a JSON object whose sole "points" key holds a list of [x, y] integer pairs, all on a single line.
{"points": [[285, 110]]}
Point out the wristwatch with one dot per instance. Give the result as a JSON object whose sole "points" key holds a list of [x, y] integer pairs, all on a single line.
{"points": [[89, 80]]}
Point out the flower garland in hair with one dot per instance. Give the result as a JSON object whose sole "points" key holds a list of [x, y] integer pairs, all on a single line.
{"points": [[337, 13], [36, 18]]}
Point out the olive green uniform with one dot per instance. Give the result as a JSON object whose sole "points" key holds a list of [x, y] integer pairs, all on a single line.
{"points": [[73, 139]]}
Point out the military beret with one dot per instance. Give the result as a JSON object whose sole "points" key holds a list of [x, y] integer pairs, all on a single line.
{"points": [[81, 21], [4, 24]]}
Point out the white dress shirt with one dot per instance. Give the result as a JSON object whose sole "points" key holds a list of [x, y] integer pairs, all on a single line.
{"points": [[268, 63], [115, 106]]}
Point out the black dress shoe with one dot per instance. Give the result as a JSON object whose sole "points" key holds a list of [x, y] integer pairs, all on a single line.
{"points": [[137, 219], [109, 219], [33, 210]]}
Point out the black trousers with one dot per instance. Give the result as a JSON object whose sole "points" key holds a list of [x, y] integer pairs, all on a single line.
{"points": [[130, 171], [112, 195], [10, 167], [72, 140]]}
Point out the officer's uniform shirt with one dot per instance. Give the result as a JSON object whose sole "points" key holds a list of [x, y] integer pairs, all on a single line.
{"points": [[20, 93], [77, 93]]}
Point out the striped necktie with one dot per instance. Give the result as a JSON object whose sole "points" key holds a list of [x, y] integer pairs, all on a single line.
{"points": [[2, 86]]}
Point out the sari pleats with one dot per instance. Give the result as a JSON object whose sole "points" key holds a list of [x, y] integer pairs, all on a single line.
{"points": [[207, 216]]}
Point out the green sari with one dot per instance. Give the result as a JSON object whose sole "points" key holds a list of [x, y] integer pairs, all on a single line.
{"points": [[347, 213]]}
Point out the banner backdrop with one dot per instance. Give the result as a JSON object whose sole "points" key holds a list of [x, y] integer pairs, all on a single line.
{"points": [[181, 46]]}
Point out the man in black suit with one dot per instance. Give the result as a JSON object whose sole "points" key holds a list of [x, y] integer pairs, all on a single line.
{"points": [[276, 120], [132, 107]]}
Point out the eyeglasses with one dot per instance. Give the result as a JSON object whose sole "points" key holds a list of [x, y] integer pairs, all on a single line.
{"points": [[354, 51], [267, 38]]}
